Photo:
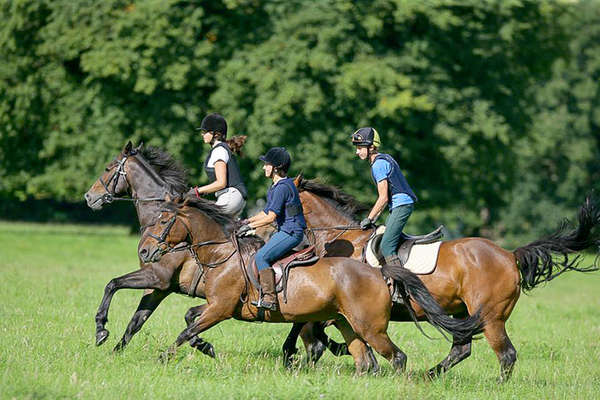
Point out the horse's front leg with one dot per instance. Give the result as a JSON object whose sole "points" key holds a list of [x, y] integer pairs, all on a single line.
{"points": [[147, 305], [141, 279], [289, 346], [212, 315], [197, 342]]}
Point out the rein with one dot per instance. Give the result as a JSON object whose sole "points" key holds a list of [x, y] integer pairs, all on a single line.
{"points": [[161, 240]]}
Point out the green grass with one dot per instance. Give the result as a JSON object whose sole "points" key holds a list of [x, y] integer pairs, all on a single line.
{"points": [[53, 277]]}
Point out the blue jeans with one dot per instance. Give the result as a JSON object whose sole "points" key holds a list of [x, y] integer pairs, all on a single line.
{"points": [[393, 229], [279, 244]]}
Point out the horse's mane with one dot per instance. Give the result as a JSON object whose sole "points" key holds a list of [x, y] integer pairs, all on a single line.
{"points": [[343, 202], [215, 212], [169, 169]]}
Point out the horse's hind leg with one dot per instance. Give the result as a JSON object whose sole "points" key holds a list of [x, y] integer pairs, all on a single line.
{"points": [[313, 345], [289, 346], [458, 352], [197, 342], [495, 333], [382, 344], [147, 305], [364, 360]]}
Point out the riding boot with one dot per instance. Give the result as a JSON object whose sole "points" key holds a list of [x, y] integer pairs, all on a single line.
{"points": [[393, 259], [394, 289], [268, 299]]}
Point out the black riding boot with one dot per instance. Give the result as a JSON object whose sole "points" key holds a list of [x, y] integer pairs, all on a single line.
{"points": [[393, 259], [268, 299], [394, 289]]}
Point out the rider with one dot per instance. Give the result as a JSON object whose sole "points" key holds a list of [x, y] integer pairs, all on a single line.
{"points": [[392, 189], [221, 166], [284, 207]]}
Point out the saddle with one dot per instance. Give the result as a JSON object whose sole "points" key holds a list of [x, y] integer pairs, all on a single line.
{"points": [[372, 251], [304, 258]]}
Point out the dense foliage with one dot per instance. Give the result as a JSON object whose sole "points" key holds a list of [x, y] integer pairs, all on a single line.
{"points": [[491, 108]]}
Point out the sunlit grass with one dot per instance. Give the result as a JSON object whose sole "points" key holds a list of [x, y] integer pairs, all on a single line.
{"points": [[53, 277]]}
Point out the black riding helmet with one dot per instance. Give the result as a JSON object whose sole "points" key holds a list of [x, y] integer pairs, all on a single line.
{"points": [[277, 157], [366, 137], [214, 123]]}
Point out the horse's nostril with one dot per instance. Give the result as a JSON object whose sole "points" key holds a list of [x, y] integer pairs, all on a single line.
{"points": [[144, 252], [86, 196]]}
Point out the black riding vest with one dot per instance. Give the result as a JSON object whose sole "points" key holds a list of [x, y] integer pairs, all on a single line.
{"points": [[234, 177]]}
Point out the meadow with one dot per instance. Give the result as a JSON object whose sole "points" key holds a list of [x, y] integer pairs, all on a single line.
{"points": [[53, 276]]}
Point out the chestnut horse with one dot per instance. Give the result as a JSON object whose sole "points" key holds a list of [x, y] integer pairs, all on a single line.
{"points": [[471, 274], [336, 288]]}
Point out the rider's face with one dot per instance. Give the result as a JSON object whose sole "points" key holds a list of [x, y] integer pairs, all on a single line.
{"points": [[268, 168], [362, 152], [207, 137]]}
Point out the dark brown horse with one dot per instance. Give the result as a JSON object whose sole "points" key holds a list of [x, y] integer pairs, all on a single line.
{"points": [[336, 288], [471, 274], [148, 175]]}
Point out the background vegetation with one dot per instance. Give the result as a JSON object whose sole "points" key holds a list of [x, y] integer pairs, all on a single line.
{"points": [[491, 108]]}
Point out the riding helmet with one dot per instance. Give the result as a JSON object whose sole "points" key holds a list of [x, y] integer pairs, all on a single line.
{"points": [[277, 157], [366, 137], [214, 123]]}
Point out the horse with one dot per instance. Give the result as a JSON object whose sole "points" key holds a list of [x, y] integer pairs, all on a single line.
{"points": [[148, 174], [471, 274], [337, 288]]}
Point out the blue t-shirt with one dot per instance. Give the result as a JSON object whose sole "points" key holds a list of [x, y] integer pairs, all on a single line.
{"points": [[281, 194], [381, 170]]}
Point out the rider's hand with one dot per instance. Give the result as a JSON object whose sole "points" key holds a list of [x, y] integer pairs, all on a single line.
{"points": [[366, 224], [243, 230], [192, 193]]}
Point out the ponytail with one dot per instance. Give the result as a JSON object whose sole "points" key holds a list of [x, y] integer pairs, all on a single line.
{"points": [[236, 143]]}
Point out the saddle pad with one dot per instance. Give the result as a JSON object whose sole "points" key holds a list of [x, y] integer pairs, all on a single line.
{"points": [[422, 259]]}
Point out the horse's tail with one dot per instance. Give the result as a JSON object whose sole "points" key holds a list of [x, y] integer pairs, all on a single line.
{"points": [[547, 258], [413, 287]]}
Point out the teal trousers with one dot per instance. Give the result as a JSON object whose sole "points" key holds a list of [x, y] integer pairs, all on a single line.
{"points": [[393, 229]]}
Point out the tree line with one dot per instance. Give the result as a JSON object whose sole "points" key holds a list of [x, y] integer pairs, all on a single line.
{"points": [[491, 108]]}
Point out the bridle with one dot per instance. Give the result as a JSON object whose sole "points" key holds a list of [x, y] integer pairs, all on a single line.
{"points": [[111, 195]]}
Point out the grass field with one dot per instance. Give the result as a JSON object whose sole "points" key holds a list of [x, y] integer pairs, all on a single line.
{"points": [[53, 277]]}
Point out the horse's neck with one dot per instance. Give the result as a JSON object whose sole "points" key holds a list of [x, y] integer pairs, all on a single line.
{"points": [[146, 184], [325, 214]]}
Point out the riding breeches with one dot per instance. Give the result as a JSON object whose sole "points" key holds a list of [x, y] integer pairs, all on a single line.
{"points": [[279, 244], [231, 200], [393, 229]]}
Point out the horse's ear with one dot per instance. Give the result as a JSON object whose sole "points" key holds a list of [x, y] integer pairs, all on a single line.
{"points": [[127, 148], [298, 179], [139, 147], [168, 198]]}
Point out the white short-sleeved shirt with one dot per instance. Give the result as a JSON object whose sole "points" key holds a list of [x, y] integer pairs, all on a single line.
{"points": [[218, 154]]}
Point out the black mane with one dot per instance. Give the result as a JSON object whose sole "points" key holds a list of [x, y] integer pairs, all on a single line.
{"points": [[167, 168], [342, 201], [215, 212]]}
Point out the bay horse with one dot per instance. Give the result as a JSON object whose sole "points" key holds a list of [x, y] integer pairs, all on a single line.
{"points": [[148, 174], [337, 288], [471, 273]]}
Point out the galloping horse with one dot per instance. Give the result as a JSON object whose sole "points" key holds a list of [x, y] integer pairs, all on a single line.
{"points": [[337, 288], [471, 273], [148, 174]]}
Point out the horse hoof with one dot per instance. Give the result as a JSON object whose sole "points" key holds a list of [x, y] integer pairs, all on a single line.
{"points": [[164, 357], [205, 347], [119, 347], [101, 337]]}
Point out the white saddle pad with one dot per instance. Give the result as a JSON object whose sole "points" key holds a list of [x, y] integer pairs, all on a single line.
{"points": [[422, 259]]}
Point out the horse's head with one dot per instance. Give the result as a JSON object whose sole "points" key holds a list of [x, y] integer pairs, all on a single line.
{"points": [[113, 181], [168, 231]]}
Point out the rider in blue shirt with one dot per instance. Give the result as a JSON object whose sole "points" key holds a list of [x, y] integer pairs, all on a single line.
{"points": [[393, 191], [284, 208]]}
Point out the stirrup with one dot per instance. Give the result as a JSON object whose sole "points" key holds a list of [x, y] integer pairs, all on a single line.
{"points": [[265, 305]]}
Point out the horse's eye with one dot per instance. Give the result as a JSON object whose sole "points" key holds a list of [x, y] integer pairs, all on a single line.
{"points": [[163, 222]]}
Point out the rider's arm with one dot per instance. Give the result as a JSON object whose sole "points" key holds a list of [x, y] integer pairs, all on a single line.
{"points": [[382, 199], [220, 182], [262, 219]]}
